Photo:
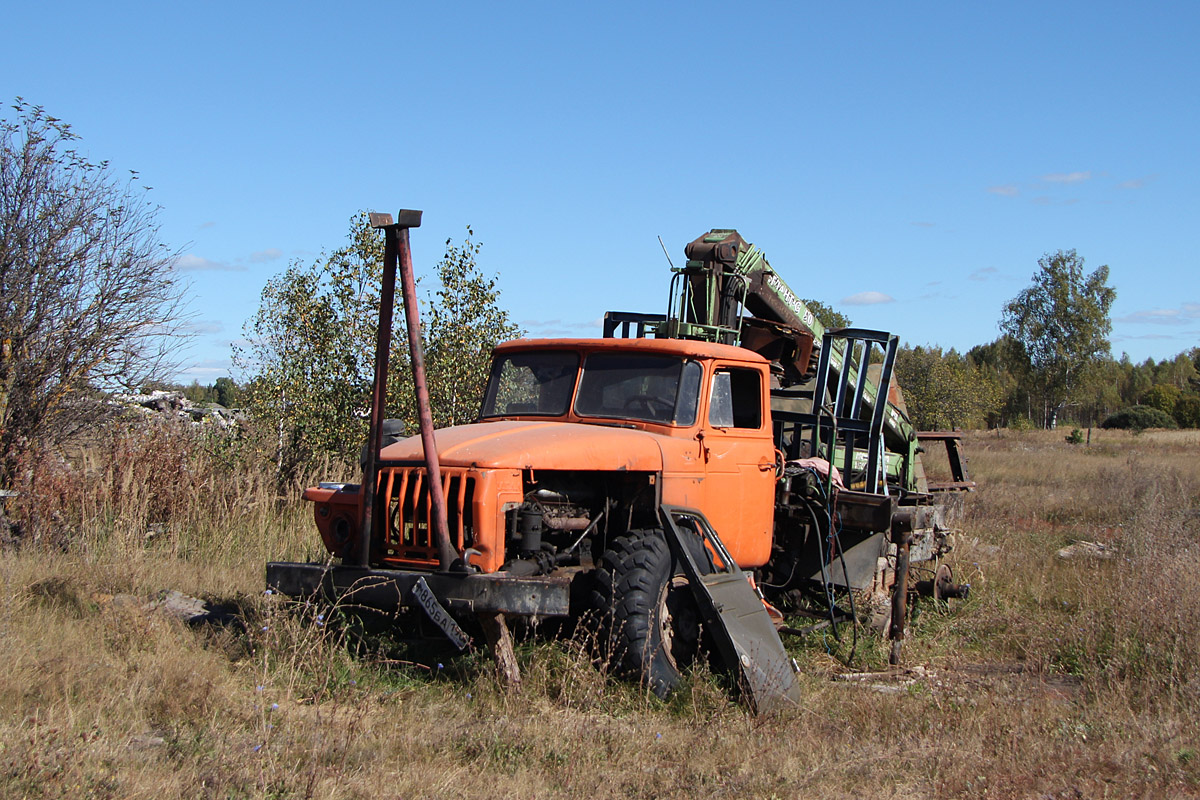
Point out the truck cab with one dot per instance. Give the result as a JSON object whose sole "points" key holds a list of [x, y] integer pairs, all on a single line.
{"points": [[579, 441]]}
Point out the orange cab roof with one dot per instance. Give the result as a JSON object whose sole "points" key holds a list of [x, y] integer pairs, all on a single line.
{"points": [[678, 347]]}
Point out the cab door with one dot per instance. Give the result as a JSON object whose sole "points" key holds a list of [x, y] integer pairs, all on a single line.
{"points": [[739, 462]]}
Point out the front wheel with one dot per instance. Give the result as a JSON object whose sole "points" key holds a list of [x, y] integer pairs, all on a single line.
{"points": [[653, 623]]}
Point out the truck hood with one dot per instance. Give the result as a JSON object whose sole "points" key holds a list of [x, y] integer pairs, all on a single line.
{"points": [[518, 444]]}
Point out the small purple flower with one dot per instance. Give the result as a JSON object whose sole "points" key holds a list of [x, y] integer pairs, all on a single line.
{"points": [[274, 706], [257, 747]]}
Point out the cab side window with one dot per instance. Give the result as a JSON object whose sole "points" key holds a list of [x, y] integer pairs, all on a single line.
{"points": [[736, 399]]}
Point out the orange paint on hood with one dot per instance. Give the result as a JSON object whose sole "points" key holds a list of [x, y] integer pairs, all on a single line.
{"points": [[550, 445]]}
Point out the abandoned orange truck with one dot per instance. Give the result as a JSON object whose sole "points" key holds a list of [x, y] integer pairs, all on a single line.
{"points": [[612, 480]]}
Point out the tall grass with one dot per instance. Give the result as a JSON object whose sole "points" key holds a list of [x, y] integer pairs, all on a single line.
{"points": [[1057, 678], [164, 492]]}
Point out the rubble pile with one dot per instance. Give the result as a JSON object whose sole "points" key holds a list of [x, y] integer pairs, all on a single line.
{"points": [[175, 404]]}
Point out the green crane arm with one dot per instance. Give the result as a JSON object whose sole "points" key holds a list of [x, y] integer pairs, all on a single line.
{"points": [[725, 274]]}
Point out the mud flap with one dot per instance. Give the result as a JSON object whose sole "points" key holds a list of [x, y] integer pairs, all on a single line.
{"points": [[742, 629]]}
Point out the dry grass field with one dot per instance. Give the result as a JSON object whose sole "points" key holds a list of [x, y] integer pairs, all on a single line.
{"points": [[1058, 678]]}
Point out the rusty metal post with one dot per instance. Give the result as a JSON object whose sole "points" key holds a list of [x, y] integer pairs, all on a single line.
{"points": [[437, 498], [396, 248], [383, 340], [899, 597]]}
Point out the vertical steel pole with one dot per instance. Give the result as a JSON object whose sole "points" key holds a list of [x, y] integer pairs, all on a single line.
{"points": [[383, 342], [437, 499], [899, 596]]}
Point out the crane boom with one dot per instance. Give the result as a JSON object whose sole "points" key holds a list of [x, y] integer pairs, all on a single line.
{"points": [[728, 292]]}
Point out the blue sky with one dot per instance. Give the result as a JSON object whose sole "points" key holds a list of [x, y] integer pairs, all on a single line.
{"points": [[906, 163]]}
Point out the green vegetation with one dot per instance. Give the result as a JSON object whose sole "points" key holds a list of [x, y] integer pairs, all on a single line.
{"points": [[827, 315], [1139, 418], [1061, 324], [224, 392], [946, 390], [987, 387], [311, 350]]}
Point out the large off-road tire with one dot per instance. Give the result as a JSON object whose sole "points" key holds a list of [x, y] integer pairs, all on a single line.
{"points": [[652, 629]]}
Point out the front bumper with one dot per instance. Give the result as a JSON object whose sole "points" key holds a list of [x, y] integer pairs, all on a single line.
{"points": [[391, 589]]}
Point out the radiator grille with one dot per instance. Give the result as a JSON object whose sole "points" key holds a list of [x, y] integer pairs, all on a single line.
{"points": [[410, 538]]}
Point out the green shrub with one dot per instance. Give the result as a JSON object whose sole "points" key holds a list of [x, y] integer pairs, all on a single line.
{"points": [[1187, 411], [1075, 437], [1139, 418]]}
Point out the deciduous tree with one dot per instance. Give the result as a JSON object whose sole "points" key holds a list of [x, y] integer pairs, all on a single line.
{"points": [[827, 315], [1062, 321], [89, 299], [309, 351], [944, 390], [311, 348], [465, 321]]}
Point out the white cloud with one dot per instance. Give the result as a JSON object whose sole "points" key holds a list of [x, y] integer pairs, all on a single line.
{"points": [[1005, 190], [270, 254], [204, 326], [1067, 177], [191, 263], [1136, 183], [548, 328], [205, 371], [982, 274], [202, 371], [1186, 313], [1156, 337], [867, 299]]}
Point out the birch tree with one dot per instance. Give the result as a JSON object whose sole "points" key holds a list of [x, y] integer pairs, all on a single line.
{"points": [[1062, 321]]}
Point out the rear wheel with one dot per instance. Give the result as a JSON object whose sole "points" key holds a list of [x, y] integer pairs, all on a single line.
{"points": [[653, 624]]}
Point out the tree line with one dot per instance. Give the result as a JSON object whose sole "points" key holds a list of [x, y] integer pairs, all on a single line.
{"points": [[989, 387], [1051, 364]]}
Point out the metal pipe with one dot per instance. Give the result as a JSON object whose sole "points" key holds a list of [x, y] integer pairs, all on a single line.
{"points": [[437, 498], [383, 341], [899, 595]]}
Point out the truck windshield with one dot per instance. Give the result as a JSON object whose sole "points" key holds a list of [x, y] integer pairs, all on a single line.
{"points": [[531, 383], [651, 388]]}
